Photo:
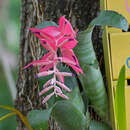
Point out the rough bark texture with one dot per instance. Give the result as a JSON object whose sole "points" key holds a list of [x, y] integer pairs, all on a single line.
{"points": [[79, 12]]}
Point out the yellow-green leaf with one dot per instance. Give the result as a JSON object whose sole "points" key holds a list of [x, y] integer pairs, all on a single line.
{"points": [[120, 111], [22, 117], [7, 115]]}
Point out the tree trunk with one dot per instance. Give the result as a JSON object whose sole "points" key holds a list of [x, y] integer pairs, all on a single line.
{"points": [[79, 12]]}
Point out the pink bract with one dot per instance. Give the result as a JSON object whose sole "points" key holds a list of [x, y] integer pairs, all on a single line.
{"points": [[63, 36], [52, 38]]}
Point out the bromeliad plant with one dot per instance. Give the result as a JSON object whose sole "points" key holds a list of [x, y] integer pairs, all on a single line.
{"points": [[60, 62], [54, 38]]}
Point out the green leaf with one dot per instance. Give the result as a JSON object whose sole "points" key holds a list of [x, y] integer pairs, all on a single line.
{"points": [[21, 116], [85, 100], [68, 116], [120, 110], [39, 119], [92, 81], [94, 125], [77, 100], [7, 115], [111, 18], [87, 118], [46, 24]]}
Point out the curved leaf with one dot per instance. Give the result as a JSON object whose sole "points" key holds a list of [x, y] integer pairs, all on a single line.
{"points": [[76, 99], [39, 119], [120, 110], [68, 116], [22, 117], [111, 18], [92, 81], [7, 115]]}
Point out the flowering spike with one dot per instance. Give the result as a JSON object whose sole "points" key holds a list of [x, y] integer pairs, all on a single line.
{"points": [[53, 38]]}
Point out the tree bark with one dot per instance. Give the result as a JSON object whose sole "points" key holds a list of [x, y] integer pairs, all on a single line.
{"points": [[78, 12]]}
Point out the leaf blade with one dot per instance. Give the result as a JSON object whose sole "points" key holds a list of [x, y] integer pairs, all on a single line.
{"points": [[22, 117], [39, 118], [120, 110], [68, 116]]}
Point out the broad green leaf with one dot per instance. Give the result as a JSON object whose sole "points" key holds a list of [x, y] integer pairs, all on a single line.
{"points": [[46, 24], [95, 125], [39, 119], [68, 116], [22, 117], [76, 98], [111, 18], [120, 110], [92, 81]]}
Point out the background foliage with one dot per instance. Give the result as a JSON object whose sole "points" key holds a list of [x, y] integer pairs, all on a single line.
{"points": [[9, 37]]}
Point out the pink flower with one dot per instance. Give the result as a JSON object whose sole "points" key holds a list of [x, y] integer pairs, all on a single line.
{"points": [[52, 38], [62, 37]]}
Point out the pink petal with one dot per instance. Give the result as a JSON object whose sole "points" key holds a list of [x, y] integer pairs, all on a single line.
{"points": [[58, 89], [68, 53], [60, 77], [44, 73], [45, 90], [47, 97], [48, 45], [67, 42], [63, 95], [51, 30], [38, 62], [47, 83], [36, 32], [49, 56], [46, 68], [44, 45], [64, 73], [66, 60], [77, 69], [45, 36], [65, 27], [63, 86], [42, 34]]}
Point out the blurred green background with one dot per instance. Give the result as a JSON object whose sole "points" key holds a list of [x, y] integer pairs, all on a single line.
{"points": [[9, 44]]}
